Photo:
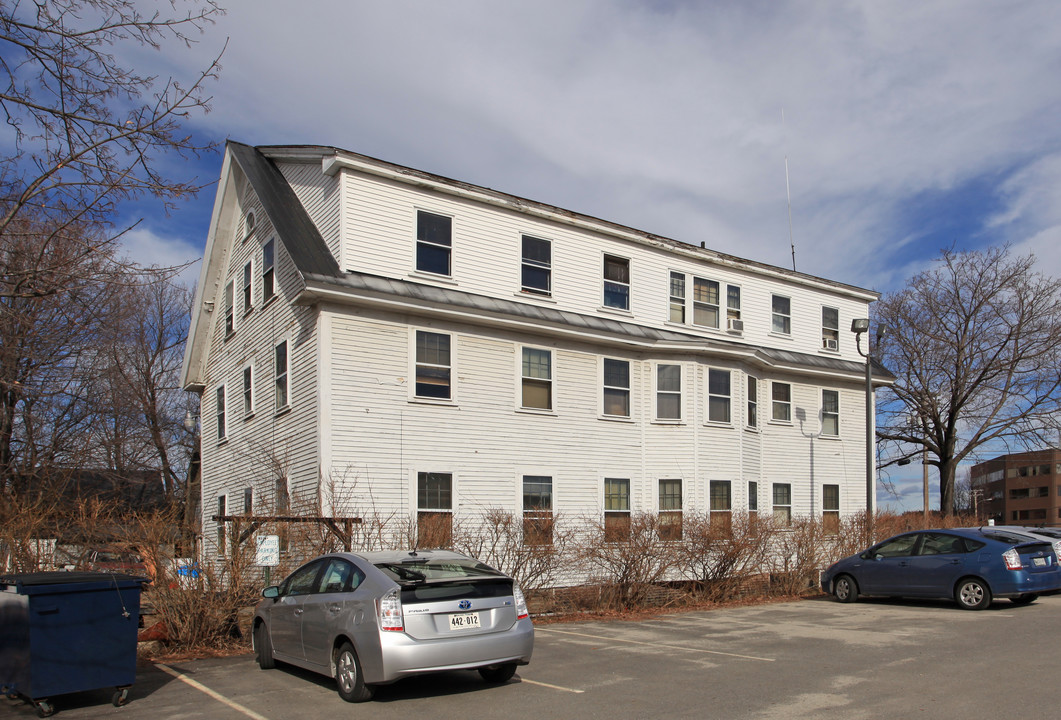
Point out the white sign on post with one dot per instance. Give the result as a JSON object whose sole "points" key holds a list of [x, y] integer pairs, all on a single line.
{"points": [[268, 554]]}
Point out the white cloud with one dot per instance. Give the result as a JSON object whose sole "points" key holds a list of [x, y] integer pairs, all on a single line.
{"points": [[148, 249], [667, 115]]}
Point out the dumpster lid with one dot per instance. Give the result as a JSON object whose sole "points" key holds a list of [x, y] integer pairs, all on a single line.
{"points": [[67, 578]]}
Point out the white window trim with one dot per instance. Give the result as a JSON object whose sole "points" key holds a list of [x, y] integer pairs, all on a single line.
{"points": [[417, 272], [604, 307], [629, 389], [681, 419], [778, 333], [685, 298], [248, 300], [821, 315], [791, 410], [281, 409], [621, 475], [719, 305], [413, 397], [534, 292], [838, 414], [517, 484], [266, 269], [519, 381], [707, 391], [229, 304], [684, 495], [248, 414], [757, 427], [222, 391], [414, 490]]}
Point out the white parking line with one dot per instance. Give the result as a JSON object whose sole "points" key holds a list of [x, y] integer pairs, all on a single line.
{"points": [[215, 695], [551, 687], [650, 644]]}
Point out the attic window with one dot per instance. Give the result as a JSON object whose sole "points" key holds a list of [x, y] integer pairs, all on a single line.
{"points": [[249, 225]]}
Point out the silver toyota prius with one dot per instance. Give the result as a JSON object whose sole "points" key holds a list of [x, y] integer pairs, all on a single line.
{"points": [[373, 618]]}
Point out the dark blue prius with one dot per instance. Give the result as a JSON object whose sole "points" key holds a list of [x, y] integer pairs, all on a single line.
{"points": [[972, 566]]}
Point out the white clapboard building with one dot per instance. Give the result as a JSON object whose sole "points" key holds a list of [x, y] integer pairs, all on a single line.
{"points": [[370, 338]]}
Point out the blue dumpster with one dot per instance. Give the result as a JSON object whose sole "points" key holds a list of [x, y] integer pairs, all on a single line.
{"points": [[65, 632]]}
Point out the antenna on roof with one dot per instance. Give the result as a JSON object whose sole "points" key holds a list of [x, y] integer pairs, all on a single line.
{"points": [[788, 191]]}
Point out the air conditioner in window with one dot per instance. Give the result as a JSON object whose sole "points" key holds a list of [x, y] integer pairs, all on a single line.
{"points": [[735, 325], [830, 344]]}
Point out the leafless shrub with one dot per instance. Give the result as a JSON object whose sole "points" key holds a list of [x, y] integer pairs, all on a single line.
{"points": [[630, 563], [720, 557], [798, 552]]}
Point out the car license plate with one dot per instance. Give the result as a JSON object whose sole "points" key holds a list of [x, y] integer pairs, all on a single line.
{"points": [[464, 621], [1039, 562]]}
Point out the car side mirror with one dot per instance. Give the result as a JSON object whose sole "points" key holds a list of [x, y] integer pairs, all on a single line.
{"points": [[272, 592]]}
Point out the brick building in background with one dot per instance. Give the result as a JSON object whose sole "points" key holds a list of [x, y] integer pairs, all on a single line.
{"points": [[1020, 488]]}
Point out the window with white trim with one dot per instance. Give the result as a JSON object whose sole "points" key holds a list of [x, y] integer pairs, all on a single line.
{"points": [[668, 392], [280, 363], [248, 287], [537, 379], [781, 314], [268, 270], [537, 510], [831, 413], [670, 509], [677, 297], [753, 402], [753, 496], [248, 392], [434, 243], [219, 413], [230, 311], [733, 302], [616, 282], [721, 492], [705, 302], [830, 328], [718, 392], [616, 387], [434, 505], [536, 266], [616, 509], [831, 509], [248, 224], [222, 510], [433, 368], [783, 504], [781, 401]]}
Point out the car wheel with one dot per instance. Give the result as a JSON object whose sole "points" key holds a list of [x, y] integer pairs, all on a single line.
{"points": [[845, 589], [972, 594], [263, 648], [1024, 599], [348, 677], [498, 673]]}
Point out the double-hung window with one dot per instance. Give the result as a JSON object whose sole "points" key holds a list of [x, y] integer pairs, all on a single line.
{"points": [[434, 503], [222, 511], [831, 413], [753, 498], [248, 391], [433, 369], [781, 315], [616, 387], [280, 375], [733, 302], [616, 509], [781, 397], [783, 504], [718, 390], [434, 243], [677, 297], [219, 410], [831, 509], [753, 402], [268, 270], [536, 268], [830, 328], [248, 277], [670, 509], [721, 506], [230, 314], [668, 392], [616, 282], [705, 302], [537, 379], [537, 510]]}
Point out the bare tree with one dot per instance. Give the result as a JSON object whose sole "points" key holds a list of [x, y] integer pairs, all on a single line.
{"points": [[975, 347], [88, 131]]}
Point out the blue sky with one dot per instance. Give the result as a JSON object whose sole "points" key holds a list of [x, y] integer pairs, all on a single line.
{"points": [[908, 126]]}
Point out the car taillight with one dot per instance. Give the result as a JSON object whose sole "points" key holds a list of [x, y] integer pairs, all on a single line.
{"points": [[1057, 550], [390, 612], [521, 602], [1012, 559]]}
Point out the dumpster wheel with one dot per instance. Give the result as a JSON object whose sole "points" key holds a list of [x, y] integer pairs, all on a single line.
{"points": [[44, 708], [120, 697]]}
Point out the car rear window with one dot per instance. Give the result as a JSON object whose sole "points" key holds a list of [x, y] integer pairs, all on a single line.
{"points": [[433, 570]]}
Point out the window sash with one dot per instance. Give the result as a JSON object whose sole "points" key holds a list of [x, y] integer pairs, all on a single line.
{"points": [[433, 369], [537, 382], [718, 389], [670, 494], [782, 315], [781, 394], [536, 268], [830, 413], [280, 368], [753, 402], [616, 387], [434, 491], [248, 391], [434, 242], [753, 496], [677, 297], [230, 319], [733, 302], [783, 503], [617, 494], [268, 270], [669, 392], [222, 431], [830, 327], [616, 282], [705, 302], [248, 274]]}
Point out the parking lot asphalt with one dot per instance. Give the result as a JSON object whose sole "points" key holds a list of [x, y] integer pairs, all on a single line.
{"points": [[802, 659]]}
